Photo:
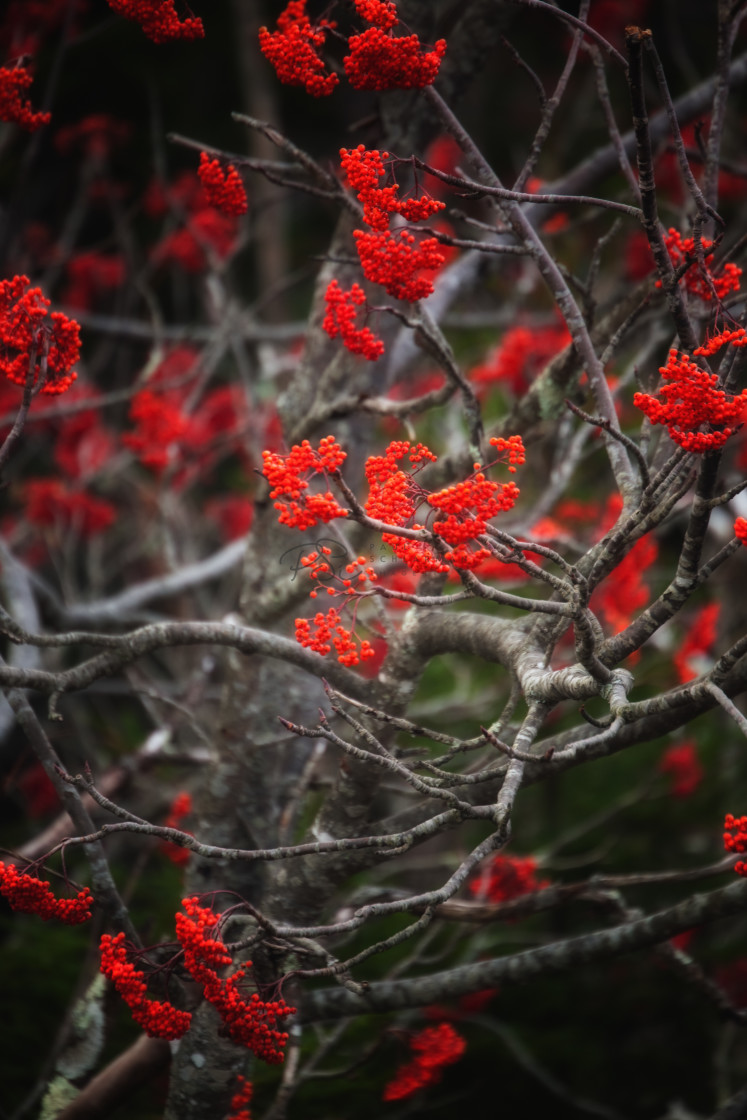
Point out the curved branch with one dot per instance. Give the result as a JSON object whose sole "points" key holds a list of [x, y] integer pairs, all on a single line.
{"points": [[642, 933]]}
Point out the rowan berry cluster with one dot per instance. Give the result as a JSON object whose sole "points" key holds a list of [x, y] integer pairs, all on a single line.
{"points": [[240, 1100], [394, 497], [159, 1019], [520, 356], [364, 169], [33, 340], [681, 764], [204, 232], [738, 841], [159, 19], [736, 337], [208, 231], [14, 108], [172, 430], [682, 249], [30, 895], [202, 952], [340, 320], [361, 570], [699, 641], [52, 502], [394, 261], [249, 1022], [320, 570], [159, 425], [180, 808], [691, 400], [285, 474], [224, 188], [468, 507], [293, 50], [382, 13], [740, 530], [434, 1048], [624, 590], [511, 450], [507, 877], [327, 632], [379, 61]]}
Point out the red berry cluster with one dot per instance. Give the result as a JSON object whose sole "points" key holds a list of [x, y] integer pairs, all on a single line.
{"points": [[511, 450], [159, 20], [340, 320], [159, 426], [699, 640], [293, 50], [394, 261], [14, 81], [224, 189], [382, 13], [28, 331], [364, 169], [328, 631], [208, 232], [284, 473], [319, 569], [30, 895], [740, 530], [737, 337], [682, 249], [317, 565], [507, 877], [89, 275], [158, 1019], [681, 763], [737, 842], [624, 590], [202, 952], [240, 1100], [52, 502], [362, 571], [249, 1022], [434, 1048], [520, 356], [691, 400], [181, 807], [468, 506], [379, 61], [394, 497]]}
